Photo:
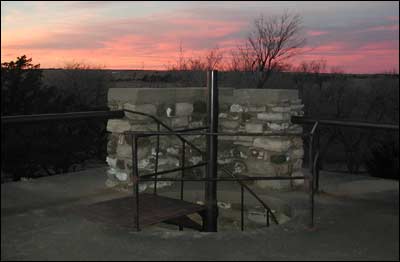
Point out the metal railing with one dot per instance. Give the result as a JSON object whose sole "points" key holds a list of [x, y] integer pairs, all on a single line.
{"points": [[314, 138]]}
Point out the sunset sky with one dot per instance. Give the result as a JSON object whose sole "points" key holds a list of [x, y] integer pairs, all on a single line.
{"points": [[360, 37]]}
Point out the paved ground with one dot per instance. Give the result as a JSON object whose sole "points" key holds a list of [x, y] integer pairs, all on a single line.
{"points": [[357, 219]]}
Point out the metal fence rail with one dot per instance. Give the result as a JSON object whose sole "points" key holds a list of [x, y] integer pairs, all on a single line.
{"points": [[314, 138]]}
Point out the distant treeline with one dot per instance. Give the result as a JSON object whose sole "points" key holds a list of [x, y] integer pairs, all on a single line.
{"points": [[60, 147]]}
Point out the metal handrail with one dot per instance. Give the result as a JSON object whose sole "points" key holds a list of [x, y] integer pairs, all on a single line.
{"points": [[178, 133], [60, 116], [344, 122], [158, 121]]}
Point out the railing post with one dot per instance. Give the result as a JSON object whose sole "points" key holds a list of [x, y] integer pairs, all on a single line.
{"points": [[311, 186], [241, 208], [156, 162], [212, 146], [135, 179]]}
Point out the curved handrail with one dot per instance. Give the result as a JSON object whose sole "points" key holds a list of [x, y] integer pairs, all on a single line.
{"points": [[229, 172], [224, 169], [315, 170]]}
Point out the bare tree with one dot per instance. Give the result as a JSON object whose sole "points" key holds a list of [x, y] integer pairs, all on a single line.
{"points": [[241, 59], [212, 60], [272, 42]]}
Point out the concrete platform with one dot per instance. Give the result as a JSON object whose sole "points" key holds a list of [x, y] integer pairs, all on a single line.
{"points": [[357, 218]]}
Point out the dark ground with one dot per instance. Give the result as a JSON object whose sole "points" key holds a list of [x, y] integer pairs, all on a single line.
{"points": [[357, 218]]}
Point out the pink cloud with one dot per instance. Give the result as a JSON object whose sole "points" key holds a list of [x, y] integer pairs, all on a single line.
{"points": [[316, 33]]}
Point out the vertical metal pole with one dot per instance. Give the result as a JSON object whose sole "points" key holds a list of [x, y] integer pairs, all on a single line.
{"points": [[135, 179], [212, 146], [311, 182], [156, 164], [182, 173], [267, 217], [183, 167], [317, 166], [241, 208]]}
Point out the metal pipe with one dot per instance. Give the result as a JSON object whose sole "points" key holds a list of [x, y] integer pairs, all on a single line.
{"points": [[240, 180], [166, 127], [135, 179], [312, 191], [183, 167], [241, 208], [156, 162], [346, 123], [212, 146], [220, 179], [170, 171], [182, 133], [311, 175], [22, 119]]}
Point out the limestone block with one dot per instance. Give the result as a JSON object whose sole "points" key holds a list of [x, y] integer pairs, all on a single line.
{"points": [[277, 144], [120, 164], [144, 127], [296, 107], [229, 124], [118, 125], [243, 143], [223, 115], [195, 124], [298, 182], [297, 142], [125, 151], [122, 176], [273, 116], [295, 129], [181, 121], [195, 160], [183, 109], [279, 159], [257, 108], [145, 108], [254, 128], [278, 127], [295, 101], [227, 138], [111, 183], [256, 153], [296, 153], [297, 164], [245, 138], [281, 109], [169, 161], [257, 167], [236, 108], [112, 162], [112, 144]]}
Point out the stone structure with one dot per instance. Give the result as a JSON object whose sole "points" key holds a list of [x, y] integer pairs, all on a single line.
{"points": [[241, 110]]}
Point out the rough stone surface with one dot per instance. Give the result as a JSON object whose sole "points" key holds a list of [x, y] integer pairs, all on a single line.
{"points": [[252, 111], [274, 116], [118, 125], [254, 128], [229, 124], [278, 144], [183, 109], [278, 127]]}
